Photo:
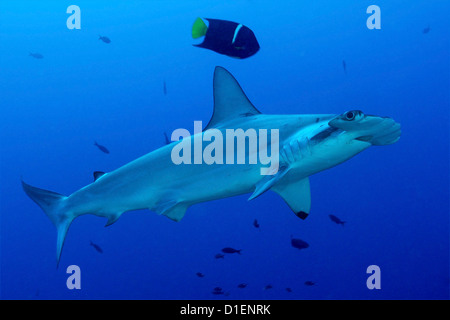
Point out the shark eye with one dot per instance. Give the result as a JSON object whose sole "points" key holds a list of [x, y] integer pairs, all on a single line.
{"points": [[350, 115]]}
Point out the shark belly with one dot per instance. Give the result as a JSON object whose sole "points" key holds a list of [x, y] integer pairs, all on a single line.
{"points": [[154, 179]]}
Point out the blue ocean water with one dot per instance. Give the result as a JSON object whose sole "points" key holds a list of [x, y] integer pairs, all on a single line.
{"points": [[394, 199]]}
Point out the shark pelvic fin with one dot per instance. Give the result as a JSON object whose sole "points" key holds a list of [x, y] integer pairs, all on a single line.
{"points": [[268, 182], [297, 195], [177, 212], [98, 174], [172, 209], [230, 101]]}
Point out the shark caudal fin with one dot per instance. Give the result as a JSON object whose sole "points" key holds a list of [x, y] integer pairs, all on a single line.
{"points": [[52, 204]]}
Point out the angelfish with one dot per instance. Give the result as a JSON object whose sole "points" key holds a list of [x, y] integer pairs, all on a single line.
{"points": [[225, 37]]}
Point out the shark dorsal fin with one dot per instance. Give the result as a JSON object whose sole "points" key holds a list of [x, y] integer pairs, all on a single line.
{"points": [[230, 100]]}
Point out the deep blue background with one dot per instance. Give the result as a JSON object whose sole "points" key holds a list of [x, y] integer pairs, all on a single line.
{"points": [[395, 199]]}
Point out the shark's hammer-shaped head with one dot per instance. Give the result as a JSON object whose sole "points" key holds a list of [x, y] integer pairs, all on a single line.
{"points": [[378, 131], [339, 138]]}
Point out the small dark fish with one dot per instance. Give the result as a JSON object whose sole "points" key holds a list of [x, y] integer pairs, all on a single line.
{"points": [[269, 286], [102, 148], [345, 66], [288, 289], [231, 250], [336, 220], [256, 224], [219, 256], [104, 39], [217, 290], [310, 283], [97, 247], [426, 30], [165, 88], [200, 275], [225, 37], [242, 285], [166, 138], [299, 244], [36, 55]]}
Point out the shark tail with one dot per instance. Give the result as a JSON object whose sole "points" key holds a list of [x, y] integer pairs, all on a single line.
{"points": [[53, 204]]}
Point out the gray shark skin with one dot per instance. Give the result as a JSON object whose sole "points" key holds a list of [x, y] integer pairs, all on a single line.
{"points": [[307, 144]]}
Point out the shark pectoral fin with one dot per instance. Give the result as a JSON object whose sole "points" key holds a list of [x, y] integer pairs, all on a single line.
{"points": [[297, 195], [268, 182], [172, 209]]}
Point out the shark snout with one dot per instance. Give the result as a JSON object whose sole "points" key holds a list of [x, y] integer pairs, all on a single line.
{"points": [[385, 132], [378, 131]]}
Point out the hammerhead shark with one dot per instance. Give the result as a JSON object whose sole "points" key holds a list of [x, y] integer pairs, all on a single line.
{"points": [[306, 144]]}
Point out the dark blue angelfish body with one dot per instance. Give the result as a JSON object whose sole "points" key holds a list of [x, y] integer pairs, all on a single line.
{"points": [[226, 37]]}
